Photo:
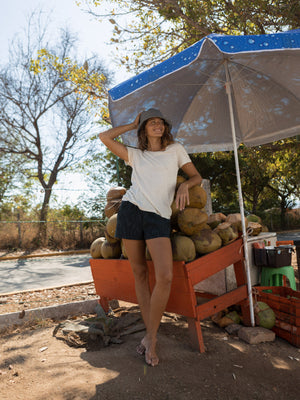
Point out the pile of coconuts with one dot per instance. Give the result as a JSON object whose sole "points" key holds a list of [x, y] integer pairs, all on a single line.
{"points": [[194, 232]]}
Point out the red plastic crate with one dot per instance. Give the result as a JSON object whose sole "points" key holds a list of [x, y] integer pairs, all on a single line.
{"points": [[285, 302]]}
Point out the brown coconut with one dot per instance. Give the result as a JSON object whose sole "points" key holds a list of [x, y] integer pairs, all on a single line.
{"points": [[123, 249], [111, 250], [174, 215], [183, 248], [180, 180], [115, 193], [95, 248], [215, 219], [226, 232], [197, 197], [110, 239], [254, 229], [236, 220], [112, 207], [206, 241], [191, 220], [111, 225]]}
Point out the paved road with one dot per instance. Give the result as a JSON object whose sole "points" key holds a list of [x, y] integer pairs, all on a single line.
{"points": [[36, 273], [288, 236]]}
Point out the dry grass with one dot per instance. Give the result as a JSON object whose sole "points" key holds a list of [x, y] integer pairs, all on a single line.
{"points": [[61, 235]]}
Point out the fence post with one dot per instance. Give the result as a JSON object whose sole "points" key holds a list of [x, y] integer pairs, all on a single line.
{"points": [[81, 234], [19, 230]]}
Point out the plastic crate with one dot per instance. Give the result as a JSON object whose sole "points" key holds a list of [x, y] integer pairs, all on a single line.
{"points": [[275, 258], [285, 303]]}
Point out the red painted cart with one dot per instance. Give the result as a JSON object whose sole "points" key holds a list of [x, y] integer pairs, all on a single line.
{"points": [[114, 280]]}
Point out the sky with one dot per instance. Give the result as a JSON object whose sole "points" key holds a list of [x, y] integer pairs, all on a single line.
{"points": [[93, 38]]}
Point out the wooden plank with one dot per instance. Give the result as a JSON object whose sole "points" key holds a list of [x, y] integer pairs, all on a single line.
{"points": [[220, 303], [208, 265]]}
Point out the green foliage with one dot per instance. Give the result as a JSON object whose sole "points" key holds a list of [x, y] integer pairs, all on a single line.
{"points": [[149, 31]]}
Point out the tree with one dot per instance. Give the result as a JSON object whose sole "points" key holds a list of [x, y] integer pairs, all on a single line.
{"points": [[149, 31], [43, 116]]}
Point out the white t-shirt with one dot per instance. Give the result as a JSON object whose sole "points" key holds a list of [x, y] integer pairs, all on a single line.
{"points": [[154, 175]]}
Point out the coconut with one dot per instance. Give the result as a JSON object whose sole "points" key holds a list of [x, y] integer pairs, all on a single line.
{"points": [[254, 228], [236, 220], [115, 193], [110, 239], [174, 215], [148, 255], [183, 248], [215, 219], [254, 218], [191, 220], [180, 180], [111, 250], [95, 248], [112, 207], [264, 228], [111, 225], [206, 241], [123, 249], [264, 315], [226, 233], [197, 197]]}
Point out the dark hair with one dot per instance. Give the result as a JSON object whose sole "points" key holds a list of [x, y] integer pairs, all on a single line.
{"points": [[166, 139]]}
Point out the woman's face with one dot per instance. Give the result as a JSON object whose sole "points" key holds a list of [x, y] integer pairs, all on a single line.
{"points": [[155, 127]]}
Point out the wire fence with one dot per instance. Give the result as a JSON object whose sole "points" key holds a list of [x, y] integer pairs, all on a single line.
{"points": [[61, 234]]}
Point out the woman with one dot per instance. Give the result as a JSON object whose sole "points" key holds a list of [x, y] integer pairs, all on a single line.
{"points": [[144, 215]]}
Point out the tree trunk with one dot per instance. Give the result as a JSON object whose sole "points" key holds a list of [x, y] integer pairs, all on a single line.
{"points": [[42, 236]]}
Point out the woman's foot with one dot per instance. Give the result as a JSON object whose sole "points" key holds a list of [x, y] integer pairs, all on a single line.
{"points": [[151, 357], [140, 349]]}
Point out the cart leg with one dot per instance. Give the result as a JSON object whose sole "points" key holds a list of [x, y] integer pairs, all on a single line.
{"points": [[196, 335], [104, 303]]}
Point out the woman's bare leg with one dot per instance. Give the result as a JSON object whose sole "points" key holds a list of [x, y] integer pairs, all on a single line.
{"points": [[161, 254], [135, 250]]}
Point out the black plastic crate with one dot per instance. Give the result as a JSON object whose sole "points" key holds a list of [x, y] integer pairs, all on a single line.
{"points": [[275, 258]]}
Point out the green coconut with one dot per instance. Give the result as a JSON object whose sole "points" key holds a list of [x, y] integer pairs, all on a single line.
{"points": [[111, 250], [191, 220], [96, 246], [234, 316], [206, 241], [254, 218], [264, 315], [183, 248], [226, 232]]}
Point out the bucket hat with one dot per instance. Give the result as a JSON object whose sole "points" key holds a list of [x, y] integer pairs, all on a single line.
{"points": [[151, 113]]}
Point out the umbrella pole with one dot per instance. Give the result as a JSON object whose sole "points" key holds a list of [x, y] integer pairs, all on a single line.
{"points": [[241, 203]]}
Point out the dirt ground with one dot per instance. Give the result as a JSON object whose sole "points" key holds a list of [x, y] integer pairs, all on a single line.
{"points": [[36, 365]]}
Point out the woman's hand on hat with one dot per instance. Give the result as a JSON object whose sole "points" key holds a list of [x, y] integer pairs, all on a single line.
{"points": [[136, 121], [182, 196]]}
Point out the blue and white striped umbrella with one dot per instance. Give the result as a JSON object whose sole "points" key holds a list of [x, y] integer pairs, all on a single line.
{"points": [[190, 90]]}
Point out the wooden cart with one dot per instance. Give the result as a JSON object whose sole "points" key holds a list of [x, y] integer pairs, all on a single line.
{"points": [[114, 280]]}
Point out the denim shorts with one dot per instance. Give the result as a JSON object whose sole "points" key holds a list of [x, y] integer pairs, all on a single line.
{"points": [[135, 224]]}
